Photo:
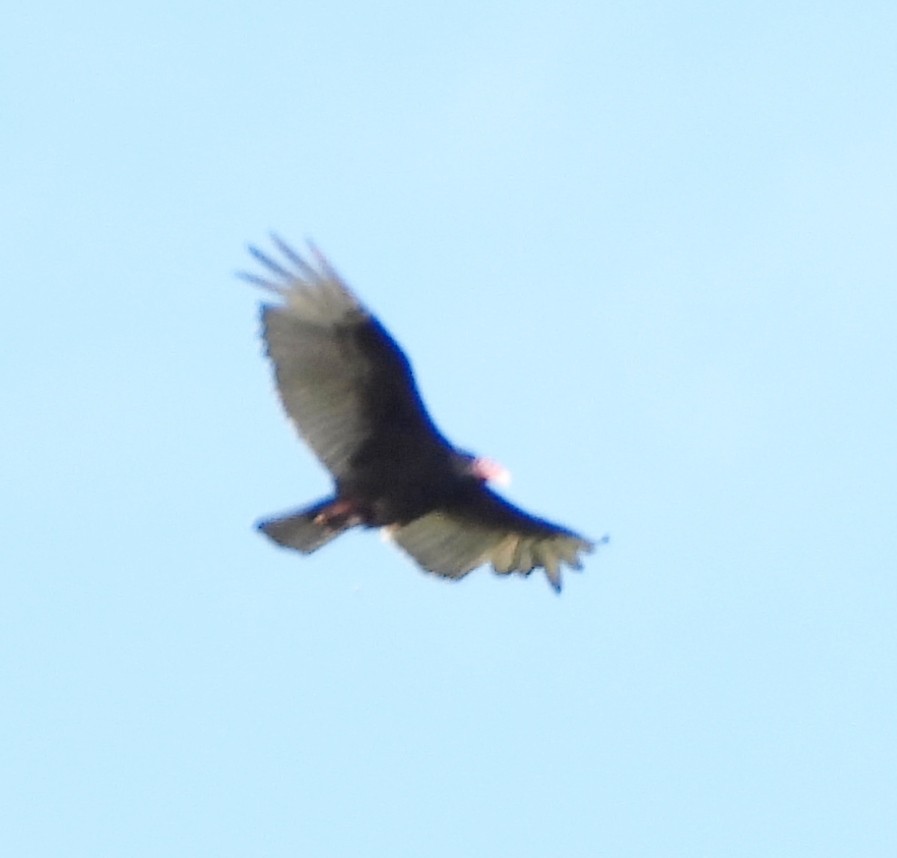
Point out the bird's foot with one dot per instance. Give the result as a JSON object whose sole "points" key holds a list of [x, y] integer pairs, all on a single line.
{"points": [[340, 514]]}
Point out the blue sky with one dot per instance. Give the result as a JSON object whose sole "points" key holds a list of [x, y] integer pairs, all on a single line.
{"points": [[643, 254]]}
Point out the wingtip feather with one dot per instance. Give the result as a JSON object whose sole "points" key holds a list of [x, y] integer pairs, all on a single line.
{"points": [[313, 293]]}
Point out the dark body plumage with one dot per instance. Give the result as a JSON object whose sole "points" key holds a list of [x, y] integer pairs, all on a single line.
{"points": [[350, 391]]}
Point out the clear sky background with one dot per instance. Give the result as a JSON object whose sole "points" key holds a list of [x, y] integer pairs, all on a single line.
{"points": [[644, 254]]}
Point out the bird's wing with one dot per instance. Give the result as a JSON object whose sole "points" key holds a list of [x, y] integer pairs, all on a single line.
{"points": [[487, 529], [341, 377]]}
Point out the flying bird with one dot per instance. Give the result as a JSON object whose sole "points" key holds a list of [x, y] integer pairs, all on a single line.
{"points": [[350, 391]]}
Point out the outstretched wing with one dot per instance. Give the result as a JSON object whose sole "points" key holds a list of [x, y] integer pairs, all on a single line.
{"points": [[487, 529], [342, 379]]}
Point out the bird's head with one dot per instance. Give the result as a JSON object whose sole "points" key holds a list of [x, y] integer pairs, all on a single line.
{"points": [[483, 469]]}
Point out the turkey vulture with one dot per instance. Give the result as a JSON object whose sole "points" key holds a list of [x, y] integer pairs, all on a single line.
{"points": [[350, 391]]}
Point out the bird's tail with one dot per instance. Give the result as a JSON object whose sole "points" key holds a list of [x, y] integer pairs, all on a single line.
{"points": [[307, 529]]}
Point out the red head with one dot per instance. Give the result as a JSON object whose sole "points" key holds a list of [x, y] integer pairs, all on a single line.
{"points": [[490, 471]]}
